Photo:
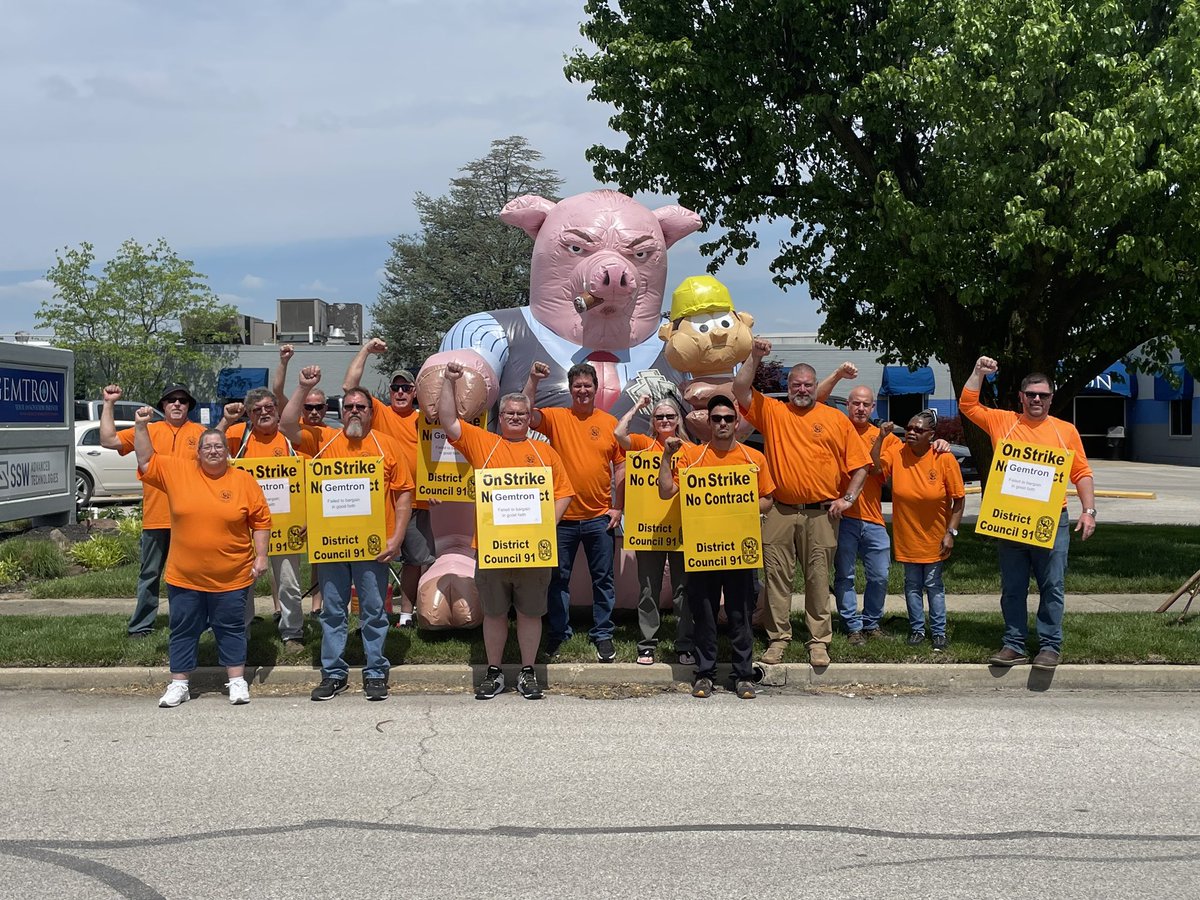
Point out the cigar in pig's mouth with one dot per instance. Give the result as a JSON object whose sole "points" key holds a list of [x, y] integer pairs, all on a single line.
{"points": [[586, 301]]}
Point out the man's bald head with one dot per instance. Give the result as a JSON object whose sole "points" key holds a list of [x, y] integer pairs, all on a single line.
{"points": [[860, 404]]}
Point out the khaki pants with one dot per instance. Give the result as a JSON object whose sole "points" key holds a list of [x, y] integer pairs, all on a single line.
{"points": [[790, 533]]}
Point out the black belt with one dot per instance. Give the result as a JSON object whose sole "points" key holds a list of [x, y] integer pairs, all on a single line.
{"points": [[821, 504]]}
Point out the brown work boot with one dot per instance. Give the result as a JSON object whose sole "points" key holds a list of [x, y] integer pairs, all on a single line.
{"points": [[773, 655], [856, 639], [874, 634], [1007, 657], [1046, 659], [818, 656]]}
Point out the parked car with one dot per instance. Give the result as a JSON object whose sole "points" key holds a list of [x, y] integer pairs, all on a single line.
{"points": [[101, 473], [89, 410]]}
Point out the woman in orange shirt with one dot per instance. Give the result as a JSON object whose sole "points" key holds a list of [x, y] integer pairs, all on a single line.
{"points": [[220, 526], [927, 505], [667, 421]]}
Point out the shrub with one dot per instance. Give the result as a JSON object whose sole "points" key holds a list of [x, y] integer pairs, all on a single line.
{"points": [[10, 572], [34, 557], [102, 552]]}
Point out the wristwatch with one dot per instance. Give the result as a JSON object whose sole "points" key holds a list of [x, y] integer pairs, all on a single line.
{"points": [[1090, 512], [953, 532], [849, 498]]}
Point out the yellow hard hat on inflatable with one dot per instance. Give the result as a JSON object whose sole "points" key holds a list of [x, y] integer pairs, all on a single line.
{"points": [[699, 294]]}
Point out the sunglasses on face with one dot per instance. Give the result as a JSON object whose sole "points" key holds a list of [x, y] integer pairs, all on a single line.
{"points": [[667, 417], [313, 407], [406, 388], [722, 420], [181, 400], [356, 407], [1037, 395], [916, 429]]}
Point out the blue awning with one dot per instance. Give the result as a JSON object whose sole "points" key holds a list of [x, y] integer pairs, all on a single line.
{"points": [[1164, 390], [1114, 380], [232, 384], [902, 380]]}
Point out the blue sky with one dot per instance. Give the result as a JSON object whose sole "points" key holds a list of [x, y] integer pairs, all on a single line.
{"points": [[278, 144]]}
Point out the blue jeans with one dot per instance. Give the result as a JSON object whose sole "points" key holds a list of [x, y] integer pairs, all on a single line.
{"points": [[1049, 567], [869, 542], [194, 611], [922, 579], [598, 547], [370, 579], [154, 544]]}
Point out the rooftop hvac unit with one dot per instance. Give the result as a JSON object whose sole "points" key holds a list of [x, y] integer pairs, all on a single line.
{"points": [[262, 332], [348, 317], [302, 321]]}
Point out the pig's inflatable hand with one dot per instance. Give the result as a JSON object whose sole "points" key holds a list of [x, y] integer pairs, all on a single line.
{"points": [[478, 390], [446, 597]]}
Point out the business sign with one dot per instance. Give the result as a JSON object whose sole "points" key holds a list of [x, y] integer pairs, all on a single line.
{"points": [[33, 474], [651, 523], [514, 518], [282, 483], [1025, 491], [32, 396], [345, 501], [442, 472], [722, 528]]}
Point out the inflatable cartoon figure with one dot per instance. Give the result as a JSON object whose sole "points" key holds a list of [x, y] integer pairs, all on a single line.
{"points": [[596, 285], [706, 338]]}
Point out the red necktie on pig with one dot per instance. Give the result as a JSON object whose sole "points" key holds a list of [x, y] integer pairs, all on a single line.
{"points": [[608, 390]]}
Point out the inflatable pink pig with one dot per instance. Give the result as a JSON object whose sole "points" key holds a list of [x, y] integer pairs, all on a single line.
{"points": [[597, 278]]}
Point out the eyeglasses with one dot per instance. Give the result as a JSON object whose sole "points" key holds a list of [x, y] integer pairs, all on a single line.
{"points": [[313, 407], [214, 448], [916, 429], [407, 388], [665, 418], [722, 420], [182, 400], [508, 414], [1037, 395], [356, 407]]}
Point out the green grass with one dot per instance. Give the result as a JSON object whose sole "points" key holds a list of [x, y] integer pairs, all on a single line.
{"points": [[1117, 559], [99, 640], [122, 582]]}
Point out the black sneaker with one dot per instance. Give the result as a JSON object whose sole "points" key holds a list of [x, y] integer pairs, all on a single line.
{"points": [[375, 688], [492, 684], [916, 639], [702, 687], [605, 652], [329, 688], [939, 643], [527, 684]]}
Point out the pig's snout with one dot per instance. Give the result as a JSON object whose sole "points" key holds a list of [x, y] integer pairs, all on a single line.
{"points": [[611, 279]]}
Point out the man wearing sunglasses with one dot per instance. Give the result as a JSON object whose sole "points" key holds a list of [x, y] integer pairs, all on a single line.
{"points": [[398, 419], [819, 464], [1033, 425], [175, 435]]}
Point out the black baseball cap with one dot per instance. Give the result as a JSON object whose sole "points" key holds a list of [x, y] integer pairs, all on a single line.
{"points": [[176, 389]]}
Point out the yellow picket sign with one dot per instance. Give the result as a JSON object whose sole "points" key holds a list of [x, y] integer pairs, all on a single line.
{"points": [[651, 523], [442, 473], [721, 524], [282, 481], [514, 518], [346, 512], [1024, 495]]}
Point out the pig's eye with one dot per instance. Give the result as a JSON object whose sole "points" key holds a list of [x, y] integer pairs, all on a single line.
{"points": [[641, 254], [704, 328], [575, 248]]}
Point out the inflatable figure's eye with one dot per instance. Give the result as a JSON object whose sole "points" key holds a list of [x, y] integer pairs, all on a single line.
{"points": [[704, 328], [725, 322]]}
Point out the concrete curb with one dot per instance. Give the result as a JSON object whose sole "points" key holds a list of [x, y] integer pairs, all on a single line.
{"points": [[792, 676]]}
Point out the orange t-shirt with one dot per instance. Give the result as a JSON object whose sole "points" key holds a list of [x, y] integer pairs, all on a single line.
{"points": [[1004, 423], [404, 430], [484, 450], [922, 490], [869, 505], [396, 474], [589, 452], [738, 455], [178, 442], [212, 523], [276, 446], [810, 452], [640, 442]]}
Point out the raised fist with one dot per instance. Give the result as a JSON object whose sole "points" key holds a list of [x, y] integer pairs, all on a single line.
{"points": [[286, 352], [310, 376], [539, 370], [112, 392], [376, 345], [760, 348]]}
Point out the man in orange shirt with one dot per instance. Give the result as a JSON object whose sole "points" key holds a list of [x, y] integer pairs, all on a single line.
{"points": [[819, 465], [398, 419], [584, 438], [1033, 425], [523, 589], [260, 437], [705, 588], [173, 436]]}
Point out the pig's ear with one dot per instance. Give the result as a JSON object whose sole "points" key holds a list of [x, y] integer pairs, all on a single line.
{"points": [[527, 212], [675, 221]]}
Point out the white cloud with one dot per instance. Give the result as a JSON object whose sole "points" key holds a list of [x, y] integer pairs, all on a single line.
{"points": [[318, 287], [253, 282]]}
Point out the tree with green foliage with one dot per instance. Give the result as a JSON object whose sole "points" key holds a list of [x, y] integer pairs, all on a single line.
{"points": [[464, 259], [124, 323], [1015, 178]]}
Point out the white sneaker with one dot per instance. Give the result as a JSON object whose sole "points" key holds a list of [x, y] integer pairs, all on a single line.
{"points": [[177, 692], [239, 691]]}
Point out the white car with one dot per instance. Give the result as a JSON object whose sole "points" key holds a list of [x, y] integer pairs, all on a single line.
{"points": [[102, 473]]}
